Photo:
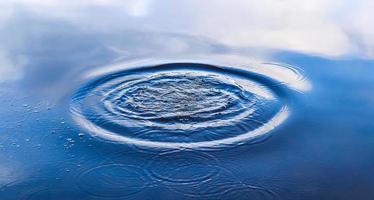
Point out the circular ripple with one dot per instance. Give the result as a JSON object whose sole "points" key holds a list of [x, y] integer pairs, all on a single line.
{"points": [[245, 191], [180, 105], [114, 180], [184, 167], [215, 186]]}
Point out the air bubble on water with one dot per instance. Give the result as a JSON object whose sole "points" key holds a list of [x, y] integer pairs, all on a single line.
{"points": [[70, 140], [81, 135]]}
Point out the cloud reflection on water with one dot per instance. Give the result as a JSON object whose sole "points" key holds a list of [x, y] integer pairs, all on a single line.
{"points": [[325, 28], [329, 28]]}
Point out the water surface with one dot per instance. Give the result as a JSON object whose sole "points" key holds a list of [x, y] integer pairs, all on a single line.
{"points": [[137, 100]]}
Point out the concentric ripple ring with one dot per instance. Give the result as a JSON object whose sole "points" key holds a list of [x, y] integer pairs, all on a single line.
{"points": [[180, 105]]}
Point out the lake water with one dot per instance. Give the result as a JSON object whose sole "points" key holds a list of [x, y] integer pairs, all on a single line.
{"points": [[186, 100]]}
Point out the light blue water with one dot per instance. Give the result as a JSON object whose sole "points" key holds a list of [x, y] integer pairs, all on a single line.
{"points": [[111, 102]]}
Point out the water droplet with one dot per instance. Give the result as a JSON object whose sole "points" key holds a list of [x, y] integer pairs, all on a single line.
{"points": [[81, 135], [70, 140]]}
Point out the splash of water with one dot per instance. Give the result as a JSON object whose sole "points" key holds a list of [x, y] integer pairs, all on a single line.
{"points": [[180, 105]]}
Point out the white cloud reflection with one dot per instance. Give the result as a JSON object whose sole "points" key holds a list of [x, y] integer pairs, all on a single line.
{"points": [[11, 69], [324, 27], [328, 28]]}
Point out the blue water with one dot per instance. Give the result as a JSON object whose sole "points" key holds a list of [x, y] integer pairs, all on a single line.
{"points": [[180, 105], [123, 106]]}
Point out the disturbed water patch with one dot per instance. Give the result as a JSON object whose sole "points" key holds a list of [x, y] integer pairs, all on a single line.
{"points": [[113, 180], [180, 105], [182, 168]]}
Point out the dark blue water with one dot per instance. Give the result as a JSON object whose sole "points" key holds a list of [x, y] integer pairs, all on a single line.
{"points": [[112, 101]]}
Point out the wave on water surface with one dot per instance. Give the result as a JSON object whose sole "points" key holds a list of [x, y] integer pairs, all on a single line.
{"points": [[180, 105]]}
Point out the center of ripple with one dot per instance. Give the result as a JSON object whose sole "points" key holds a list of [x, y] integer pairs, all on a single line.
{"points": [[179, 100], [178, 104]]}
